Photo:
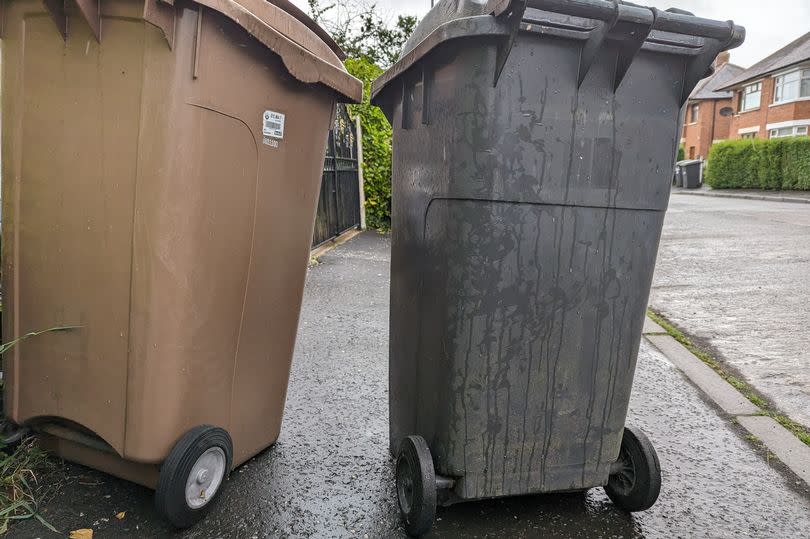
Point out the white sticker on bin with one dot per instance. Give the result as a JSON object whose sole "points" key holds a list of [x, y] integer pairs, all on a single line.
{"points": [[273, 124]]}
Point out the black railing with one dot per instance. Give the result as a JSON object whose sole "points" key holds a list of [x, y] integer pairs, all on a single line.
{"points": [[339, 205]]}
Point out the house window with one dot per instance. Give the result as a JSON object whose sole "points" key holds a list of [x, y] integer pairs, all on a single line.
{"points": [[782, 132], [749, 135], [694, 112], [692, 152], [792, 86], [751, 96]]}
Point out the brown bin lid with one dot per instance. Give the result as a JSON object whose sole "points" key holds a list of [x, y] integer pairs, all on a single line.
{"points": [[307, 51], [296, 12], [306, 55]]}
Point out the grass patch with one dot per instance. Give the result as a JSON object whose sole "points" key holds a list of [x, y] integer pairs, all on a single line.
{"points": [[742, 386], [19, 487], [19, 465]]}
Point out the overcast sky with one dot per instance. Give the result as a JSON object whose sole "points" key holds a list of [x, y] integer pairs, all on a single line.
{"points": [[771, 24]]}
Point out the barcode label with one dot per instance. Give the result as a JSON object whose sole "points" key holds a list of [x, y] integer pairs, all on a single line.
{"points": [[273, 124]]}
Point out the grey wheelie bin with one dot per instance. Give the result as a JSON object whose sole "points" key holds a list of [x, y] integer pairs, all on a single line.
{"points": [[533, 147], [168, 161], [691, 173], [678, 179]]}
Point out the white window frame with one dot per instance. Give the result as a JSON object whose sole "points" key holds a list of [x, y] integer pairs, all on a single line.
{"points": [[787, 132], [779, 85], [745, 91], [694, 113]]}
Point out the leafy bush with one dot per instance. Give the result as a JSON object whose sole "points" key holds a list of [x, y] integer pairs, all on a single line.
{"points": [[796, 163], [681, 153], [377, 136], [732, 164], [372, 42], [760, 164]]}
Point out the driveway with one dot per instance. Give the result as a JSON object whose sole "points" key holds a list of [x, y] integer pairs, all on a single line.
{"points": [[330, 475], [736, 275]]}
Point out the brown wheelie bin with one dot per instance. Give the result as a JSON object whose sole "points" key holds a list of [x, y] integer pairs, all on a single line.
{"points": [[161, 170]]}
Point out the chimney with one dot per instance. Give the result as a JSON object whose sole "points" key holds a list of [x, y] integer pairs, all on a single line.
{"points": [[722, 59]]}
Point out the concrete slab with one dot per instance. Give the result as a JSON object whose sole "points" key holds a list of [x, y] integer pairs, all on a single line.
{"points": [[781, 442], [718, 390], [651, 327]]}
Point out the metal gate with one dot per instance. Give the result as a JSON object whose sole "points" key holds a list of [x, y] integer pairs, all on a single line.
{"points": [[339, 205]]}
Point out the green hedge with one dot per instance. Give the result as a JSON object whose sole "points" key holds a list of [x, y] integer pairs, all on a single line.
{"points": [[377, 136], [776, 164]]}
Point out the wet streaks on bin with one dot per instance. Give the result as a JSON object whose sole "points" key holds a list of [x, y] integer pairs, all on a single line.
{"points": [[526, 220]]}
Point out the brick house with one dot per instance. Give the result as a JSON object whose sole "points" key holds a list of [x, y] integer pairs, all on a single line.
{"points": [[772, 98], [704, 125]]}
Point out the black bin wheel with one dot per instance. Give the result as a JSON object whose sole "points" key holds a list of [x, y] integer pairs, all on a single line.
{"points": [[416, 486], [635, 481], [193, 475]]}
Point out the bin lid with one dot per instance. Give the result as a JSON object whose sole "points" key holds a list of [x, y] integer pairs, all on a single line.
{"points": [[673, 31], [307, 52], [690, 162], [296, 12]]}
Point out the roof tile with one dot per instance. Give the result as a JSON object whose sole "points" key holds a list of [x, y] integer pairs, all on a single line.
{"points": [[709, 88], [794, 53]]}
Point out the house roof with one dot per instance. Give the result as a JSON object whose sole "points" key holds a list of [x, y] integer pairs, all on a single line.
{"points": [[709, 88], [794, 53]]}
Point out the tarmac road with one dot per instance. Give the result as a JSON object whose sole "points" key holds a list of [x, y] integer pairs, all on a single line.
{"points": [[736, 275], [330, 475]]}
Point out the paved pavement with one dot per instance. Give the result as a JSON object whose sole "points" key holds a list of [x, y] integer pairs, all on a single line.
{"points": [[736, 275], [330, 474]]}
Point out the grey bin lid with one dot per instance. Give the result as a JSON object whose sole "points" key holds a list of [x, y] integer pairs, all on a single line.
{"points": [[690, 162], [672, 31]]}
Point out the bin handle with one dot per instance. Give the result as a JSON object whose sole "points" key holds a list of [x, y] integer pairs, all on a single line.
{"points": [[718, 35], [665, 21], [509, 12], [595, 40]]}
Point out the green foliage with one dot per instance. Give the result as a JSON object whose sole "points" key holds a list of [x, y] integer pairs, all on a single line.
{"points": [[377, 136], [681, 153], [5, 347], [766, 409], [769, 165], [774, 164], [732, 164], [372, 45], [361, 31], [20, 491], [19, 466], [796, 163]]}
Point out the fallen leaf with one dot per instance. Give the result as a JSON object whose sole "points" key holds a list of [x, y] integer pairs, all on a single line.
{"points": [[121, 515], [85, 533]]}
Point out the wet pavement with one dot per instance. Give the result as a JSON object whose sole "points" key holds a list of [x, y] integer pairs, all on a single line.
{"points": [[734, 274], [752, 194], [330, 475]]}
